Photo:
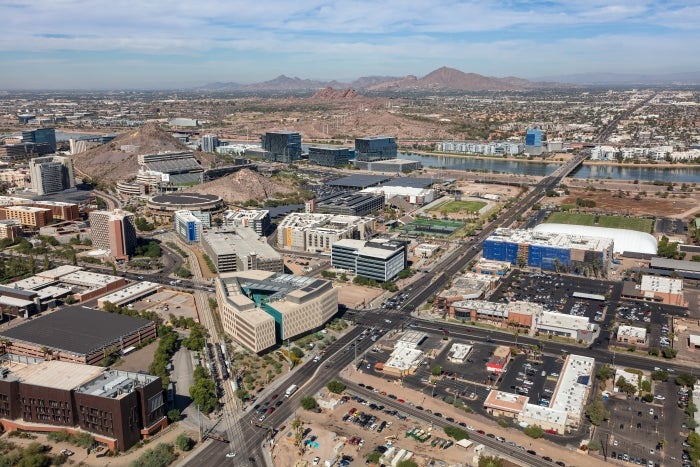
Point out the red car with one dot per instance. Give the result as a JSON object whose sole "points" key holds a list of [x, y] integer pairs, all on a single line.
{"points": [[400, 400], [481, 432]]}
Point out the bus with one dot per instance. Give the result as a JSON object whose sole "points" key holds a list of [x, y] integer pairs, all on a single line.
{"points": [[291, 390]]}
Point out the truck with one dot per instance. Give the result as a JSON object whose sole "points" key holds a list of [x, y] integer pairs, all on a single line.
{"points": [[291, 390]]}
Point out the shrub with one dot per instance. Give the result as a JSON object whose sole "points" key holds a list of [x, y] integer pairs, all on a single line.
{"points": [[336, 387], [184, 442], [160, 456]]}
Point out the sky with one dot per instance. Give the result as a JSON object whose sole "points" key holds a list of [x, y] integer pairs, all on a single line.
{"points": [[166, 44]]}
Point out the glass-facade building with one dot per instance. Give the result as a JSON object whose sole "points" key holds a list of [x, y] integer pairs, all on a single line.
{"points": [[44, 138], [282, 146], [533, 137], [330, 157], [375, 148]]}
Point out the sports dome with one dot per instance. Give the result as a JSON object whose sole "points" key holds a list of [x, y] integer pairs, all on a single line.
{"points": [[623, 239]]}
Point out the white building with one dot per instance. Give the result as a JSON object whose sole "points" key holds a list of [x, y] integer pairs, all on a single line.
{"points": [[187, 226], [571, 392], [258, 219], [426, 250], [459, 352], [417, 196], [318, 232], [631, 335], [570, 326]]}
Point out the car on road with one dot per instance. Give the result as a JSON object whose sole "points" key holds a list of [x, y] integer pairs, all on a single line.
{"points": [[230, 454], [262, 417], [481, 432]]}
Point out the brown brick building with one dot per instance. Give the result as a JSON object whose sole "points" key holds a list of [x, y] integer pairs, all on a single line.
{"points": [[117, 407]]}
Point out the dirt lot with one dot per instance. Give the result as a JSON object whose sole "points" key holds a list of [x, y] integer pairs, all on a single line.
{"points": [[610, 202], [138, 360], [168, 302], [332, 431], [352, 295]]}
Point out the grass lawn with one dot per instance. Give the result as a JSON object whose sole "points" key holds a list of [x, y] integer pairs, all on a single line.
{"points": [[457, 206], [614, 222]]}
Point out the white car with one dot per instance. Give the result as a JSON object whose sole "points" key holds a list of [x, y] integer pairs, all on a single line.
{"points": [[316, 460], [470, 428], [659, 397], [615, 443], [231, 454]]}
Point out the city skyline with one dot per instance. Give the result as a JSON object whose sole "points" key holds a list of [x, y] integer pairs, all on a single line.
{"points": [[77, 44]]}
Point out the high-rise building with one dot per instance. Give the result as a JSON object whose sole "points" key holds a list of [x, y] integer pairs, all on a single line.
{"points": [[51, 174], [209, 143], [533, 141], [41, 136], [282, 146], [187, 226], [114, 231], [375, 148]]}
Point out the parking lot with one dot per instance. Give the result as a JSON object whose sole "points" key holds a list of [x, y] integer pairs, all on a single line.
{"points": [[534, 379], [652, 316]]}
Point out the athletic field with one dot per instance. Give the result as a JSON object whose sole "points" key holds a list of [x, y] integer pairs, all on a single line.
{"points": [[615, 222], [451, 207]]}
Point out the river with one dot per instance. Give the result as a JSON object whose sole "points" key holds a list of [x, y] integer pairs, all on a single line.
{"points": [[681, 174]]}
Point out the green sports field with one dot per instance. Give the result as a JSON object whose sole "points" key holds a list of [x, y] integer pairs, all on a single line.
{"points": [[614, 222], [459, 206]]}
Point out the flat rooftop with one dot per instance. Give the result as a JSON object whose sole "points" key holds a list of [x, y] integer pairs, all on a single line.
{"points": [[413, 182], [359, 181], [76, 329], [57, 374]]}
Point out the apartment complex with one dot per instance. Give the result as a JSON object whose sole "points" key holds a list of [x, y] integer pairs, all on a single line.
{"points": [[28, 216], [117, 407], [260, 309], [375, 148], [10, 229], [378, 259], [257, 219], [318, 232], [51, 174], [114, 231], [282, 146], [187, 226], [240, 249]]}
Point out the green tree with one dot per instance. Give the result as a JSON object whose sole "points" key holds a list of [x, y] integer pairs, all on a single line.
{"points": [[436, 371], [374, 457], [298, 353], [659, 375], [406, 463], [456, 433], [490, 461], [184, 442], [605, 373], [597, 413], [336, 387], [593, 445], [174, 415], [685, 379], [534, 431], [308, 403]]}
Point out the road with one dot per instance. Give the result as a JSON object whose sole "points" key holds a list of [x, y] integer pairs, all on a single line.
{"points": [[338, 355]]}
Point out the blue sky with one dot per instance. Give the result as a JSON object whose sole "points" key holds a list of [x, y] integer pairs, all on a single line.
{"points": [[159, 44]]}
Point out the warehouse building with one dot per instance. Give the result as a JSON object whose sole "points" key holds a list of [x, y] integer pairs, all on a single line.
{"points": [[378, 259], [550, 251], [417, 196], [77, 334], [130, 294], [318, 232], [260, 309], [240, 249], [118, 408]]}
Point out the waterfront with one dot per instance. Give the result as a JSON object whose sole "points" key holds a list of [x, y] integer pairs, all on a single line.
{"points": [[677, 173]]}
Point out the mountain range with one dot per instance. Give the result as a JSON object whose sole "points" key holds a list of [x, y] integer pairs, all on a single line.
{"points": [[442, 79]]}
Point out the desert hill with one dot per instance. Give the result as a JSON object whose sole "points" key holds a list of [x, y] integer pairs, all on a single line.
{"points": [[244, 185], [110, 163]]}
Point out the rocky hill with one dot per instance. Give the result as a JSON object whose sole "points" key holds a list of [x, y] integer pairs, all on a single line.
{"points": [[110, 163], [329, 93], [444, 78], [244, 185]]}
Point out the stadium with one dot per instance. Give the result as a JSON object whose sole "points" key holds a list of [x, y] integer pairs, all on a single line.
{"points": [[624, 240], [166, 204]]}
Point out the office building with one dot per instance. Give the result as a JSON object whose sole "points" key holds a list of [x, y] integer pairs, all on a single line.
{"points": [[375, 148], [378, 259], [282, 146], [330, 156], [13, 152], [349, 203], [45, 137], [210, 143], [631, 335], [240, 249], [260, 309], [318, 232], [550, 251], [114, 231], [187, 226], [534, 139], [116, 407], [257, 219], [51, 174], [389, 165], [28, 216]]}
